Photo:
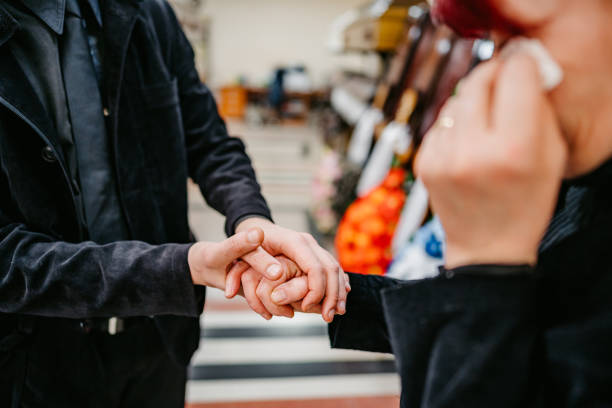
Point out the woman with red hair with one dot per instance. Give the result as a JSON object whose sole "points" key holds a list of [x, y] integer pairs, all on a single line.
{"points": [[521, 178]]}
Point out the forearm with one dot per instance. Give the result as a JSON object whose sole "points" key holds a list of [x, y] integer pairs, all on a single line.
{"points": [[217, 162], [465, 338], [363, 327], [41, 276]]}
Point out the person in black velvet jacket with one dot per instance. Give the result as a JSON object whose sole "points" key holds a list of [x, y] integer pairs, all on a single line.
{"points": [[521, 314], [103, 118]]}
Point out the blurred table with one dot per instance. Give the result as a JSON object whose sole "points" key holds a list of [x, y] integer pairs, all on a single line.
{"points": [[297, 105]]}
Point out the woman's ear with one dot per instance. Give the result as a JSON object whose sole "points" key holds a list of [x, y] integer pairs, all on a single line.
{"points": [[528, 13]]}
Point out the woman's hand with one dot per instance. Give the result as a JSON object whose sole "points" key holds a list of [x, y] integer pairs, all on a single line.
{"points": [[493, 165], [322, 269], [283, 296]]}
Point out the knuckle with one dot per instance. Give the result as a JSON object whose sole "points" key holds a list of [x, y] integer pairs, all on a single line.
{"points": [[233, 245], [302, 240], [261, 291], [332, 272], [461, 171], [516, 154], [332, 297], [249, 279], [254, 306], [513, 163], [334, 269], [309, 238]]}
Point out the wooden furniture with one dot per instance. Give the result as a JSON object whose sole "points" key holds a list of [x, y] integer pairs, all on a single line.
{"points": [[306, 100], [232, 102]]}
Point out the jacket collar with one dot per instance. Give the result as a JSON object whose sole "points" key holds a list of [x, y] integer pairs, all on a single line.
{"points": [[51, 12], [119, 17], [16, 90]]}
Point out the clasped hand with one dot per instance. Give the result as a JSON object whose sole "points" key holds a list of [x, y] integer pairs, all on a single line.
{"points": [[276, 269]]}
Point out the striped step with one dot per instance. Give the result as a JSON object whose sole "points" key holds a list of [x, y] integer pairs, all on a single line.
{"points": [[366, 402], [244, 358]]}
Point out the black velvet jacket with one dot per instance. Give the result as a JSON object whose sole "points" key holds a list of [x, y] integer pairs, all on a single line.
{"points": [[163, 128], [475, 338]]}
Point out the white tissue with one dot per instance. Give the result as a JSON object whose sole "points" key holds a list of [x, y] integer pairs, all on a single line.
{"points": [[550, 71]]}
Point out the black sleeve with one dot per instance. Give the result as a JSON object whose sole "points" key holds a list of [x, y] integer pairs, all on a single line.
{"points": [[363, 327], [465, 339], [42, 276], [218, 163]]}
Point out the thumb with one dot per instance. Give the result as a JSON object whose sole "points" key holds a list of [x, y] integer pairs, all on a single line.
{"points": [[291, 291], [237, 246]]}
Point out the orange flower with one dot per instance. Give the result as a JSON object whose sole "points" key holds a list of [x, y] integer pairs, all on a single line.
{"points": [[365, 233]]}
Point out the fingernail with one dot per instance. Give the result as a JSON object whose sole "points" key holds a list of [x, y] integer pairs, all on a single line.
{"points": [[331, 314], [279, 296], [348, 287], [342, 307], [267, 316], [274, 271], [253, 237]]}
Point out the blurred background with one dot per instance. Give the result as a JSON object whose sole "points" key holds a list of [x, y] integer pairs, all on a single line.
{"points": [[332, 99]]}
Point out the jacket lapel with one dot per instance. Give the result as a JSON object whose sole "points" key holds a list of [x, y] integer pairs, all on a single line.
{"points": [[16, 92], [8, 26], [119, 18]]}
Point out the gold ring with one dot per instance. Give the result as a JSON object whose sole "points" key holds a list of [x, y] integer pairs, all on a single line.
{"points": [[446, 122]]}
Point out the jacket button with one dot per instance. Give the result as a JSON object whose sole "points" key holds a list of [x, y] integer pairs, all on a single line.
{"points": [[48, 155]]}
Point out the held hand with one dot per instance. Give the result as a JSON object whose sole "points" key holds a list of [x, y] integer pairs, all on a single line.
{"points": [[493, 165], [210, 261], [321, 269], [284, 295], [292, 291]]}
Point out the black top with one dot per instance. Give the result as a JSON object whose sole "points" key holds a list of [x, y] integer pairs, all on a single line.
{"points": [[469, 338]]}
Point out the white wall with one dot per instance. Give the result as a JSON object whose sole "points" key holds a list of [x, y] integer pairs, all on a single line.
{"points": [[251, 37]]}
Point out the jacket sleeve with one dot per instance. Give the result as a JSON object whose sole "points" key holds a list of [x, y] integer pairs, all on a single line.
{"points": [[363, 327], [465, 340], [42, 276], [218, 163]]}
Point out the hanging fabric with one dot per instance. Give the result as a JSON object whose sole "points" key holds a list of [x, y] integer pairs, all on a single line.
{"points": [[413, 215], [361, 141], [395, 139]]}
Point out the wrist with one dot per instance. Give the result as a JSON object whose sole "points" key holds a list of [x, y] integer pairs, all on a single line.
{"points": [[200, 274], [252, 222], [193, 260]]}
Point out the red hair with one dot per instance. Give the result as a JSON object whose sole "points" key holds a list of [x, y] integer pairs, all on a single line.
{"points": [[471, 18]]}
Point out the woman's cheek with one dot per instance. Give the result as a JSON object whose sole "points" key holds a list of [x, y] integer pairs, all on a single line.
{"points": [[472, 18]]}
